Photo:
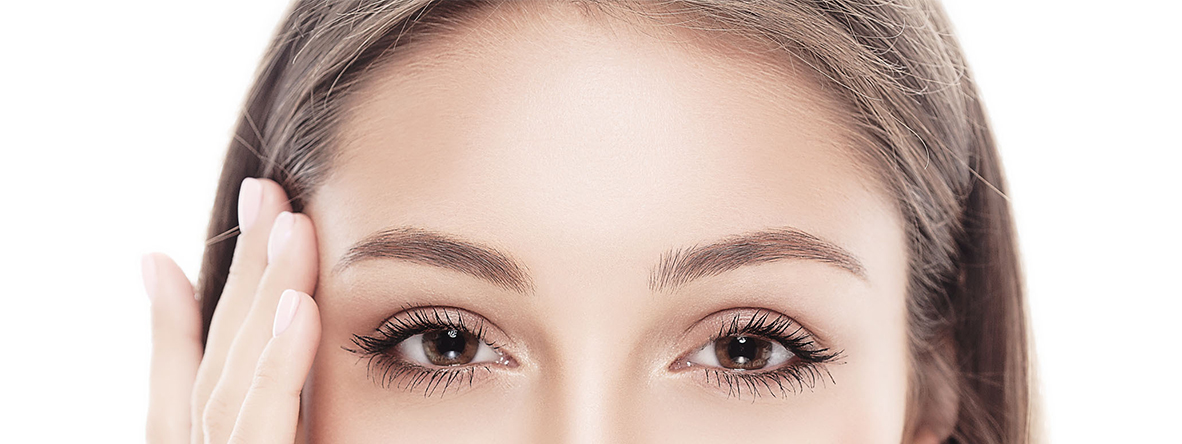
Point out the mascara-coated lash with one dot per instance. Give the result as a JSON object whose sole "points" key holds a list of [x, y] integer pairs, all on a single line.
{"points": [[807, 367], [386, 368]]}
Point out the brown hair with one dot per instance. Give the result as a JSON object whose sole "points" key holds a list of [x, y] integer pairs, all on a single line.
{"points": [[919, 118]]}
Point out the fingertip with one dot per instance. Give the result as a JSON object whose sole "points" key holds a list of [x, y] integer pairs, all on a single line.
{"points": [[250, 198], [294, 306], [162, 277], [273, 194], [148, 272], [297, 320], [312, 311], [280, 233], [292, 251], [168, 278], [289, 304]]}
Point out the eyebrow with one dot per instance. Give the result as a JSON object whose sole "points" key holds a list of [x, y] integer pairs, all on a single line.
{"points": [[426, 247], [679, 267], [676, 267]]}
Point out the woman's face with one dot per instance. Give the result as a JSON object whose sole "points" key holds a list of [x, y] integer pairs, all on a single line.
{"points": [[572, 231]]}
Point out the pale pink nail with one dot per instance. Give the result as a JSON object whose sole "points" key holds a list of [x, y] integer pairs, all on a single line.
{"points": [[279, 234], [148, 269], [289, 302], [250, 197]]}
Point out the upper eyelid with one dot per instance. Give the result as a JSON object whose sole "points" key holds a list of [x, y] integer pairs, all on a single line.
{"points": [[722, 316], [758, 310], [434, 319], [760, 320], [494, 336], [486, 330]]}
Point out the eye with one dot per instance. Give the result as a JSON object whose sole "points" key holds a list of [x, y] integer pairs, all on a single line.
{"points": [[446, 347], [742, 352], [433, 349], [753, 352]]}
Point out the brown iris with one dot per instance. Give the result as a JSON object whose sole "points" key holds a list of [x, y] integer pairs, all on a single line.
{"points": [[451, 346], [742, 352]]}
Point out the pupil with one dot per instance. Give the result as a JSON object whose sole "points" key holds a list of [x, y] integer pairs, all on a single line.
{"points": [[449, 347], [742, 352]]}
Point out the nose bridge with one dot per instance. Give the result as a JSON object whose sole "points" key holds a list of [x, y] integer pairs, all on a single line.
{"points": [[589, 380], [579, 406]]}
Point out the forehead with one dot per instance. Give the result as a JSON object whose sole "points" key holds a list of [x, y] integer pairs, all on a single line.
{"points": [[596, 136]]}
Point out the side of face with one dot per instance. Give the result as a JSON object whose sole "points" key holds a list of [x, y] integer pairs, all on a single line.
{"points": [[606, 163]]}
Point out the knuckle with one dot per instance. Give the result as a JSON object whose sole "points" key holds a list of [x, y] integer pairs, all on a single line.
{"points": [[266, 380], [269, 378], [240, 431], [202, 390], [241, 270], [244, 265], [216, 414]]}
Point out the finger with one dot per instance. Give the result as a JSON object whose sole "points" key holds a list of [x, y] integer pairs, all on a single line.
{"points": [[259, 202], [176, 349], [294, 264], [271, 409]]}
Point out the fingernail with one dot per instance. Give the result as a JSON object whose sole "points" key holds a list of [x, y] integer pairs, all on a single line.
{"points": [[279, 234], [250, 197], [148, 267], [289, 302]]}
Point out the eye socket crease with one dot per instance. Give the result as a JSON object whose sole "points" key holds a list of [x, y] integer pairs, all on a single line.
{"points": [[677, 267]]}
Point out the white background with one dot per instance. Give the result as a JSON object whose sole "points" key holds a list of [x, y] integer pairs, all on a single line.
{"points": [[114, 117]]}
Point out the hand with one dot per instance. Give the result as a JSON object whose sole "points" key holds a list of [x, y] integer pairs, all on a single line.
{"points": [[244, 384]]}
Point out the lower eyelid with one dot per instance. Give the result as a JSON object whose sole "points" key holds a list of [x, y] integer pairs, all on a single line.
{"points": [[391, 369], [428, 381], [793, 379]]}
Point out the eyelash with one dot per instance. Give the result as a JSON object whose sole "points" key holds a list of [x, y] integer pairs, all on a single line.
{"points": [[386, 369], [810, 367]]}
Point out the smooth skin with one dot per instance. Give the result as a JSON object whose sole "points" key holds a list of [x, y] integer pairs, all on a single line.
{"points": [[584, 150]]}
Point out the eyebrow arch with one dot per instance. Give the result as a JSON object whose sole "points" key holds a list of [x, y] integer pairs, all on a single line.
{"points": [[676, 268], [679, 267], [417, 245]]}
